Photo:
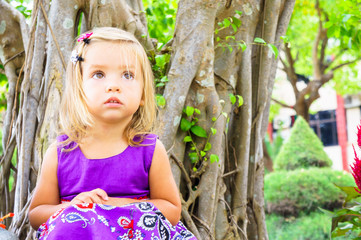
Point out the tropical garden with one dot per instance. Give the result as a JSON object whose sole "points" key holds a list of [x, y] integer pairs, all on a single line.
{"points": [[215, 65]]}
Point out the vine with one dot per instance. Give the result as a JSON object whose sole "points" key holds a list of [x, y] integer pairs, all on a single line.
{"points": [[235, 23], [196, 155]]}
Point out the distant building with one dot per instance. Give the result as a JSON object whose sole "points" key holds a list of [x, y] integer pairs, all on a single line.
{"points": [[334, 119]]}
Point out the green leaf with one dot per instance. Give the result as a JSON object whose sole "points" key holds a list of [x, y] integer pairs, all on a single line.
{"points": [[189, 111], [203, 153], [285, 39], [259, 40], [187, 139], [351, 193], [214, 158], [193, 157], [230, 37], [160, 100], [160, 60], [185, 124], [196, 110], [234, 27], [214, 119], [160, 84], [232, 98], [239, 12], [339, 232], [194, 169], [237, 22], [214, 131], [328, 213], [218, 39], [328, 24], [346, 17], [273, 49], [199, 131], [164, 79], [230, 49], [208, 147], [240, 100], [216, 31], [243, 46], [226, 23]]}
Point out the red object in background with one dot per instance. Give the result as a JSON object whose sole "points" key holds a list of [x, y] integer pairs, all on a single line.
{"points": [[356, 170], [270, 131], [341, 131], [4, 217]]}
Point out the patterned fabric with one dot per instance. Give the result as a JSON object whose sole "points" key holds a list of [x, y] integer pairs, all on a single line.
{"points": [[96, 221]]}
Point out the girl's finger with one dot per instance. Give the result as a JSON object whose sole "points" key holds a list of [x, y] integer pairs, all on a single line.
{"points": [[101, 193], [85, 199], [95, 198]]}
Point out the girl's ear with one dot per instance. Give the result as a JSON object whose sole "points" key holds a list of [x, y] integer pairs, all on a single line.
{"points": [[141, 103]]}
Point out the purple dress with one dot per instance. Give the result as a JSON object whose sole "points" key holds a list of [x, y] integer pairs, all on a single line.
{"points": [[123, 175]]}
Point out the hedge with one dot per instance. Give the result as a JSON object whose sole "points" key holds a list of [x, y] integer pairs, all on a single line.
{"points": [[304, 190], [302, 149]]}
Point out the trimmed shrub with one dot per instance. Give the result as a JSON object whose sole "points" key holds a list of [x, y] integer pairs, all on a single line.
{"points": [[302, 149], [316, 226], [304, 190]]}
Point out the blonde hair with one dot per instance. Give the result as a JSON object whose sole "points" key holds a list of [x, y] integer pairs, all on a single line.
{"points": [[74, 116]]}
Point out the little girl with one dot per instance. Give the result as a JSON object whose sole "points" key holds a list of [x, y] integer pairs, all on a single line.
{"points": [[107, 177]]}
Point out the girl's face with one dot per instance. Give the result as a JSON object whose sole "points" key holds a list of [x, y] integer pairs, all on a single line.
{"points": [[112, 82]]}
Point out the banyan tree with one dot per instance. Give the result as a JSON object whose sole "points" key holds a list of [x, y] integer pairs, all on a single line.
{"points": [[214, 111]]}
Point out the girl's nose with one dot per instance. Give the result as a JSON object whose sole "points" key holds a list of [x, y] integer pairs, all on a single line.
{"points": [[113, 88]]}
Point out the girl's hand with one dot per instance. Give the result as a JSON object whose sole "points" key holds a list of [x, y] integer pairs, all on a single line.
{"points": [[98, 196]]}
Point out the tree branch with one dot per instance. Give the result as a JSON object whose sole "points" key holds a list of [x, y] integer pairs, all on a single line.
{"points": [[316, 62], [345, 64], [291, 72], [282, 104]]}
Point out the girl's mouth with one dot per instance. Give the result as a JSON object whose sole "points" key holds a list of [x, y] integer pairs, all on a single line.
{"points": [[113, 100]]}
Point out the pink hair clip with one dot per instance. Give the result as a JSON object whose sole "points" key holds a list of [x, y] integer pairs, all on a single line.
{"points": [[85, 37]]}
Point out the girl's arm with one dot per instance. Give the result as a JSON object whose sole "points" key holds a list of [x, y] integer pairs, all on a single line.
{"points": [[45, 201], [164, 193]]}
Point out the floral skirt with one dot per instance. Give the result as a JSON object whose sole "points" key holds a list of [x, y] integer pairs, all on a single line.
{"points": [[96, 221]]}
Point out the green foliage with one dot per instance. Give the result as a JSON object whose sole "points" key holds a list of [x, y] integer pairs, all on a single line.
{"points": [[23, 6], [315, 226], [3, 90], [189, 124], [302, 149], [304, 190], [347, 221], [343, 31], [161, 19]]}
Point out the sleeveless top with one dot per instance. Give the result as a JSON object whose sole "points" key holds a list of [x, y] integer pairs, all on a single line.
{"points": [[123, 175]]}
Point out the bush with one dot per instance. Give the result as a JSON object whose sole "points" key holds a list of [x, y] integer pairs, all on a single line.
{"points": [[316, 226], [304, 190], [303, 149]]}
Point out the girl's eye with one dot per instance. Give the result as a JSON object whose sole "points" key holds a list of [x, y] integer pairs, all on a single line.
{"points": [[98, 75], [128, 75]]}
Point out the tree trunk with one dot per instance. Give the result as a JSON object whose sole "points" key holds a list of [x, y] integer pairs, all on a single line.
{"points": [[220, 200]]}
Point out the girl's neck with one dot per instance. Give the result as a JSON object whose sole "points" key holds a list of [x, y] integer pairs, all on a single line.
{"points": [[106, 133]]}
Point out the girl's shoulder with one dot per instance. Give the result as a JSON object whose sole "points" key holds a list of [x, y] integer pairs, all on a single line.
{"points": [[64, 143], [145, 139]]}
